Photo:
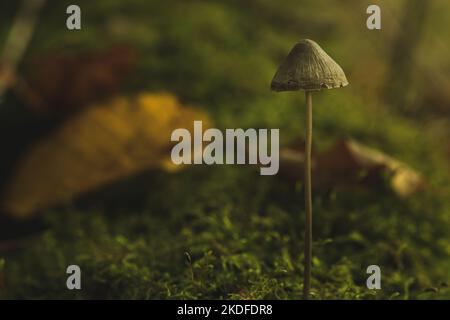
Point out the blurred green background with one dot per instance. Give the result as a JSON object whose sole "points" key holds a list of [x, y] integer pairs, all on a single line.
{"points": [[244, 231]]}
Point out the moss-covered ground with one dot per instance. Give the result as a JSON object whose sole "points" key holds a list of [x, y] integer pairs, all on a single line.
{"points": [[224, 232]]}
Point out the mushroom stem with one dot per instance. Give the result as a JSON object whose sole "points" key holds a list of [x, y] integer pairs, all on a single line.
{"points": [[308, 201]]}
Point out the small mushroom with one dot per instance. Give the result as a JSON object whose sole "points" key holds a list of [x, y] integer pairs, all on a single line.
{"points": [[308, 68]]}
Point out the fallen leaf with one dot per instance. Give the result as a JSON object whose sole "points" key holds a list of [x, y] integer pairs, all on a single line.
{"points": [[60, 83], [103, 143], [348, 163]]}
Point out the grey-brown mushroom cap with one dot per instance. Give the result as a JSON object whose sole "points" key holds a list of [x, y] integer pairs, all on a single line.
{"points": [[308, 67]]}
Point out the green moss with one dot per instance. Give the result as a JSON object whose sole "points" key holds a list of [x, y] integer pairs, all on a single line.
{"points": [[243, 242]]}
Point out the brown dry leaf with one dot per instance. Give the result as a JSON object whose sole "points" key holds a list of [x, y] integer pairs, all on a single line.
{"points": [[59, 83], [348, 163], [96, 146]]}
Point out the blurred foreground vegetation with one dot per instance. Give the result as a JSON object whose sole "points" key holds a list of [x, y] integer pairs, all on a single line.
{"points": [[242, 231]]}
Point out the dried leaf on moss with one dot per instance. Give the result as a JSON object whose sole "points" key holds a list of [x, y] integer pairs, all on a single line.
{"points": [[348, 163], [99, 145]]}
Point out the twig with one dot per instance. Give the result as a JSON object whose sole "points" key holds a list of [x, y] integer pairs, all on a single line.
{"points": [[17, 41]]}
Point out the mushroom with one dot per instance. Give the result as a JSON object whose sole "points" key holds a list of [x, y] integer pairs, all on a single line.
{"points": [[308, 68]]}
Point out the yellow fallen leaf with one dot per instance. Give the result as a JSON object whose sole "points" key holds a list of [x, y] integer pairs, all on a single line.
{"points": [[102, 143]]}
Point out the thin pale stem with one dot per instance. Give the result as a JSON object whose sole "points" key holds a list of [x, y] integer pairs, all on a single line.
{"points": [[308, 201]]}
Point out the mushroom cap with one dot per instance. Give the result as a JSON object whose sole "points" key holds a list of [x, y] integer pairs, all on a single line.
{"points": [[308, 67]]}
